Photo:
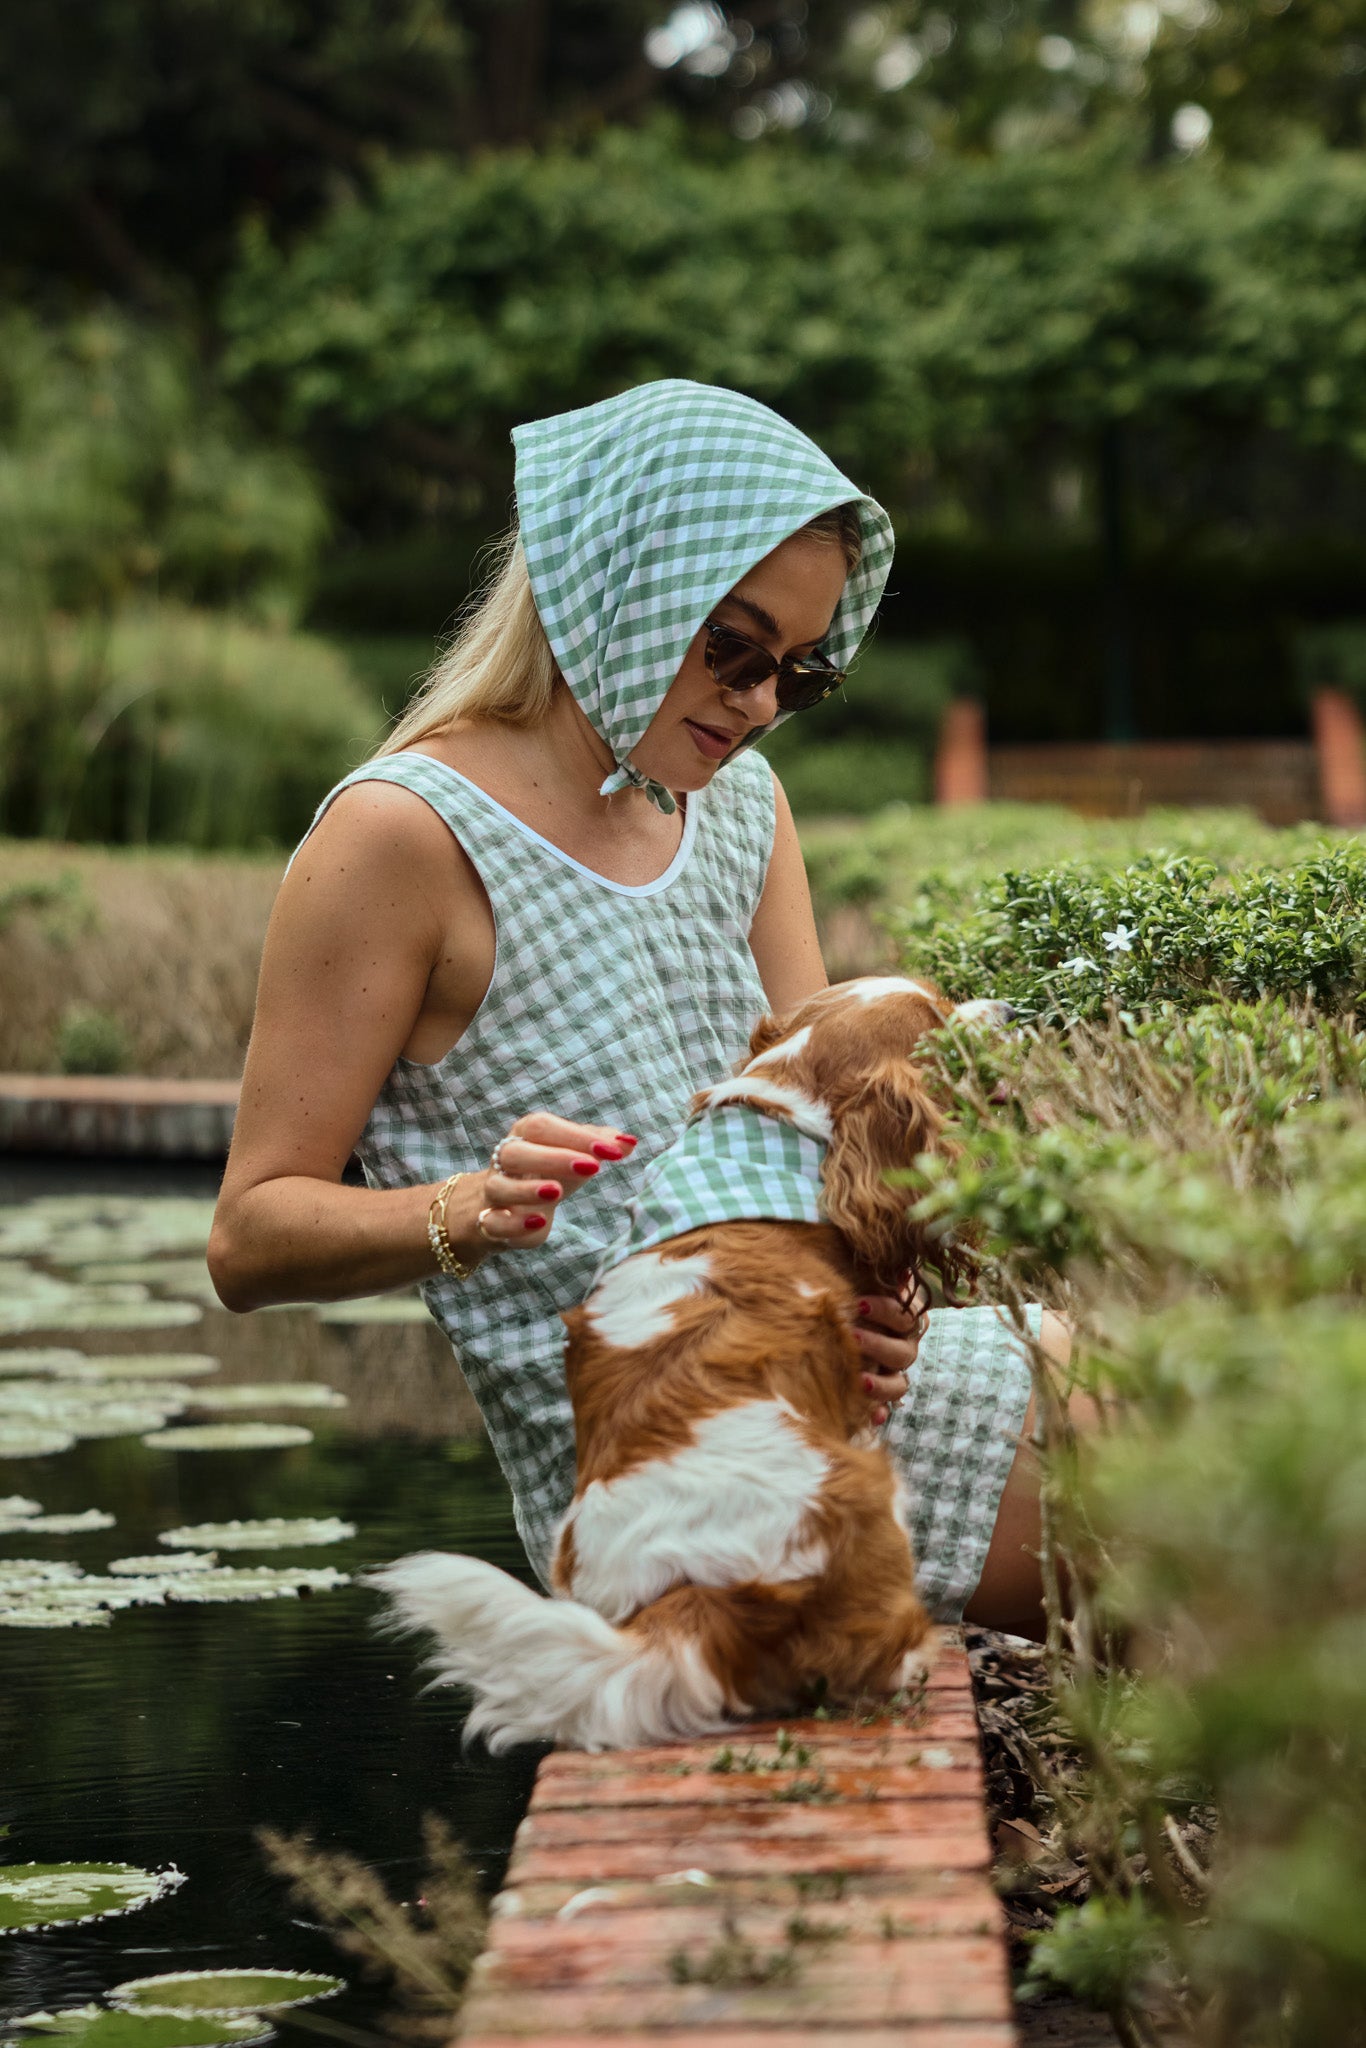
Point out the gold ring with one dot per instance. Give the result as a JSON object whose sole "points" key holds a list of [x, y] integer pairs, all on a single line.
{"points": [[479, 1226]]}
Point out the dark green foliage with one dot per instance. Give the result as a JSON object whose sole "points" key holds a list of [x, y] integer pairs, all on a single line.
{"points": [[873, 742], [175, 725], [92, 1041], [1065, 942], [1333, 658], [1188, 1186], [923, 328], [125, 473]]}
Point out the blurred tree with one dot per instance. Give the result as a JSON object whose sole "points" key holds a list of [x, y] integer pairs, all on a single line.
{"points": [[1256, 76], [124, 475], [135, 135], [959, 337]]}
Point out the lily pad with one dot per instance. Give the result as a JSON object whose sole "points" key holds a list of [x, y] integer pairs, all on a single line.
{"points": [[34, 1596], [279, 1534], [24, 1571], [92, 1308], [95, 2026], [157, 1567], [54, 1525], [285, 1394], [83, 1229], [14, 1504], [375, 1308], [30, 1358], [55, 1617], [186, 1276], [259, 1582], [143, 1365], [55, 1894], [230, 1436], [83, 1411], [224, 1992], [23, 1440]]}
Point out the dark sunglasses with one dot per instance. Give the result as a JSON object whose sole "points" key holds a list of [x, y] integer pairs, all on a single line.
{"points": [[735, 663]]}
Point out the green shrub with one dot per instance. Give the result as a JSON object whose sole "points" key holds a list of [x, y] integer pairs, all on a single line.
{"points": [[1190, 1186], [1062, 943], [1332, 658], [92, 1042], [933, 865], [175, 725], [124, 473]]}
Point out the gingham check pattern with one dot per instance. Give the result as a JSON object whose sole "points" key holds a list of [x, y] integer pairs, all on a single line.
{"points": [[727, 1164], [637, 514], [608, 1005], [954, 1437]]}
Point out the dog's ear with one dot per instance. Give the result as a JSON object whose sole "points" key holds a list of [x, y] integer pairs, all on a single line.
{"points": [[765, 1035], [882, 1126]]}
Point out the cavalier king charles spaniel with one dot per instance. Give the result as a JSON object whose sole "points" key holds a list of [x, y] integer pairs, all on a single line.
{"points": [[738, 1537]]}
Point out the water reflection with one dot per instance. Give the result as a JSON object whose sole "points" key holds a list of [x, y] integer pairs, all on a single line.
{"points": [[171, 1735]]}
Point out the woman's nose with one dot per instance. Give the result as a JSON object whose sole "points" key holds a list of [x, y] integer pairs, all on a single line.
{"points": [[759, 705]]}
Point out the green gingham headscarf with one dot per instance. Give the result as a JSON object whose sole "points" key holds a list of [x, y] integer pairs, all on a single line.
{"points": [[638, 514]]}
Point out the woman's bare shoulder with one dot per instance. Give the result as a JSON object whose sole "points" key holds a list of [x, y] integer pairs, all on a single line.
{"points": [[379, 869]]}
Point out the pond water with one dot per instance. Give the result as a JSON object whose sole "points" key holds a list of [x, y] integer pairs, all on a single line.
{"points": [[171, 1734]]}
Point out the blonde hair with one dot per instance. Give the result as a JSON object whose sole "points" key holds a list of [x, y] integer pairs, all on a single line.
{"points": [[500, 666]]}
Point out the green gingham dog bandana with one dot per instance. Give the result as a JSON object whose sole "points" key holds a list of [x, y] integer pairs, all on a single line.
{"points": [[638, 514]]}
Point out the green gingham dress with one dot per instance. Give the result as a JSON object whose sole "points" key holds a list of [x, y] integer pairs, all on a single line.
{"points": [[608, 1005]]}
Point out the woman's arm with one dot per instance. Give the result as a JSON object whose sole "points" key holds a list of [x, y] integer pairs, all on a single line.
{"points": [[783, 937], [380, 908]]}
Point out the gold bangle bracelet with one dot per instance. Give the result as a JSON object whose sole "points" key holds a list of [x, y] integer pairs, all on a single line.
{"points": [[436, 1231]]}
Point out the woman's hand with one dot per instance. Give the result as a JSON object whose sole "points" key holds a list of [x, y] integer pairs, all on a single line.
{"points": [[888, 1333], [540, 1162]]}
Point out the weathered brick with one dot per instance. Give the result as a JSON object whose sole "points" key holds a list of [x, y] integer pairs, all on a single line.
{"points": [[863, 1905]]}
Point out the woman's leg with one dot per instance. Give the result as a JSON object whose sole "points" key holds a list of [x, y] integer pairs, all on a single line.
{"points": [[1009, 1594]]}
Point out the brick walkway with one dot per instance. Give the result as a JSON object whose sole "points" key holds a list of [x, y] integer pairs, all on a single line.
{"points": [[837, 1893]]}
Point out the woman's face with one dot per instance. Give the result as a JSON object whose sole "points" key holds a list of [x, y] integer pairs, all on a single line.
{"points": [[784, 603]]}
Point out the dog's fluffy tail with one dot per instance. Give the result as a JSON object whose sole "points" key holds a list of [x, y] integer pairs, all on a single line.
{"points": [[551, 1669]]}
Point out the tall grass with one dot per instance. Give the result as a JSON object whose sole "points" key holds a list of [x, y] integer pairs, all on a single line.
{"points": [[152, 558], [165, 945], [165, 723]]}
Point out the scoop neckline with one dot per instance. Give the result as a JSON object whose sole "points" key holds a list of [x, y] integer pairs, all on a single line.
{"points": [[662, 881]]}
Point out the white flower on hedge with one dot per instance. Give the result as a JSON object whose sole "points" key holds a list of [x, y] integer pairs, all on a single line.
{"points": [[1121, 939], [1078, 964]]}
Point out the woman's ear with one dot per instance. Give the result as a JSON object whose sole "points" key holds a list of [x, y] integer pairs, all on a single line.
{"points": [[884, 1126]]}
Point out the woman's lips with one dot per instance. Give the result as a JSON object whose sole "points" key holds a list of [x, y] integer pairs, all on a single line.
{"points": [[709, 740]]}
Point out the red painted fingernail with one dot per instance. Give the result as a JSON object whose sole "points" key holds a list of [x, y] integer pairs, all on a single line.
{"points": [[867, 1383], [879, 1417], [550, 1191], [625, 1138], [585, 1168], [865, 1308], [533, 1223], [601, 1151]]}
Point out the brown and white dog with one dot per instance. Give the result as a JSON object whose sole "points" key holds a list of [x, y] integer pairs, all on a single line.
{"points": [[738, 1537]]}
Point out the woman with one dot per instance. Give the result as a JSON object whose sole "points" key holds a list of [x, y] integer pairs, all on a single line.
{"points": [[552, 906]]}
